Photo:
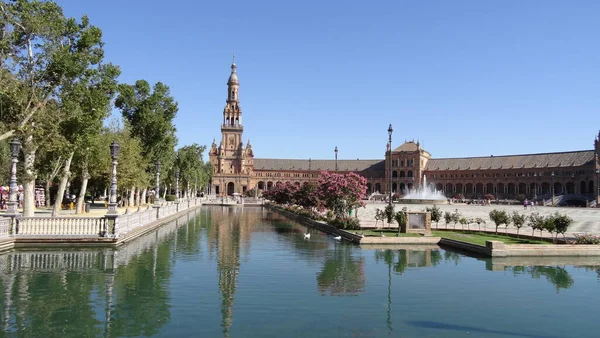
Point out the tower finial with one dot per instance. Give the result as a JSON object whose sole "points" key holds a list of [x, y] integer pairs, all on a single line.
{"points": [[233, 62]]}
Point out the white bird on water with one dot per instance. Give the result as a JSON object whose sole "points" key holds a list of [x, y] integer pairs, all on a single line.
{"points": [[337, 238], [307, 236]]}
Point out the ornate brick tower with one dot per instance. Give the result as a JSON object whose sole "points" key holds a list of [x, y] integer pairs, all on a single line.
{"points": [[232, 163]]}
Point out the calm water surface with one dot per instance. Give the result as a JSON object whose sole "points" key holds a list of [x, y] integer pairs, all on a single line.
{"points": [[232, 272]]}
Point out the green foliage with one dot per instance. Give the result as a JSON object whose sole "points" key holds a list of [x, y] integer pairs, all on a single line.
{"points": [[436, 214], [401, 218], [346, 223], [536, 222], [41, 52], [447, 218], [389, 213], [499, 217], [192, 169], [518, 220], [150, 113], [170, 198], [562, 223]]}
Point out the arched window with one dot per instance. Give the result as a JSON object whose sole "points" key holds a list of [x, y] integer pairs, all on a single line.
{"points": [[402, 173], [409, 174], [394, 173]]}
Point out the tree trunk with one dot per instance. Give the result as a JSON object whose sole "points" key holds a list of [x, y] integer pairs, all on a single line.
{"points": [[132, 196], [47, 194], [62, 185], [49, 181], [85, 176], [29, 179], [143, 196]]}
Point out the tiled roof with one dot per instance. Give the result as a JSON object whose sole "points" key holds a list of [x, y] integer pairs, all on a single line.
{"points": [[530, 161], [318, 165], [407, 146]]}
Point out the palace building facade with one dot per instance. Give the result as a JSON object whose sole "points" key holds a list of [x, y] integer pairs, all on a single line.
{"points": [[236, 170]]}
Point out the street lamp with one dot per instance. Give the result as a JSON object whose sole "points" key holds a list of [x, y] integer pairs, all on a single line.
{"points": [[336, 151], [13, 189], [552, 188], [177, 184], [390, 131], [597, 187], [157, 194], [112, 203]]}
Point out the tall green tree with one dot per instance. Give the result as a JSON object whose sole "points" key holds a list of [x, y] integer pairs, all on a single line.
{"points": [[41, 50], [149, 112], [191, 168]]}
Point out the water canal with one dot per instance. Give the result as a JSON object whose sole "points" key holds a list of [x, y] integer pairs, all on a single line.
{"points": [[233, 272]]}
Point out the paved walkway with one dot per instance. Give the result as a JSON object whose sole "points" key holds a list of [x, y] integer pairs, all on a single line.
{"points": [[584, 219]]}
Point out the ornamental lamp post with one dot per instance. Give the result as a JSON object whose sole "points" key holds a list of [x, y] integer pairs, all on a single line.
{"points": [[390, 131], [597, 188], [336, 152], [177, 185], [13, 189], [552, 188], [157, 193], [112, 199]]}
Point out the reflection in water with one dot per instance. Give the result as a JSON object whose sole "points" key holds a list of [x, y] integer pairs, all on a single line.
{"points": [[229, 231], [342, 274], [555, 275], [144, 288], [59, 293]]}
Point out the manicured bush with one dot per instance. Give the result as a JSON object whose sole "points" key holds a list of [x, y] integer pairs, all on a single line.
{"points": [[436, 214], [401, 218], [499, 217], [170, 198], [518, 220]]}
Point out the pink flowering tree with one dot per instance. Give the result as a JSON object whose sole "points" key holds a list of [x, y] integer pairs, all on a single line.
{"points": [[341, 193], [282, 193], [306, 196]]}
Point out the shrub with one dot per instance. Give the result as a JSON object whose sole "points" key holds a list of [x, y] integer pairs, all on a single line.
{"points": [[587, 239], [518, 220], [401, 219], [389, 213], [170, 198], [436, 214], [346, 223], [499, 217]]}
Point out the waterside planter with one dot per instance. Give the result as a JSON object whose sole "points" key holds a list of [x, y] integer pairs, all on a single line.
{"points": [[491, 249], [352, 237]]}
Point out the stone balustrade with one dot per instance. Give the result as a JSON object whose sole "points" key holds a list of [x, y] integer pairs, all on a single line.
{"points": [[61, 226], [134, 220], [56, 227], [4, 227]]}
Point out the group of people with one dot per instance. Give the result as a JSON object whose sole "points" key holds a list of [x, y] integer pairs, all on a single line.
{"points": [[530, 204]]}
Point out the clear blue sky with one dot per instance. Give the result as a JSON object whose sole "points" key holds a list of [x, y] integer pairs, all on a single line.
{"points": [[466, 78]]}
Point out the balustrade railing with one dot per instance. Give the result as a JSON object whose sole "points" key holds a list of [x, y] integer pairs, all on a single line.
{"points": [[61, 226], [88, 226], [134, 220], [4, 227]]}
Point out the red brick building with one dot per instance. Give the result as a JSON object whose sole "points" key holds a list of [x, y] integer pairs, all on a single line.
{"points": [[236, 170]]}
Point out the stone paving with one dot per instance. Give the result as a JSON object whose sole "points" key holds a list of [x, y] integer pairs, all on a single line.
{"points": [[584, 219]]}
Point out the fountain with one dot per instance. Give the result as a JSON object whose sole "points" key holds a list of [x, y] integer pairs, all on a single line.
{"points": [[424, 195]]}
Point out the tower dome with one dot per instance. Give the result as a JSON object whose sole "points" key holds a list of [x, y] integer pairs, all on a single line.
{"points": [[233, 79]]}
